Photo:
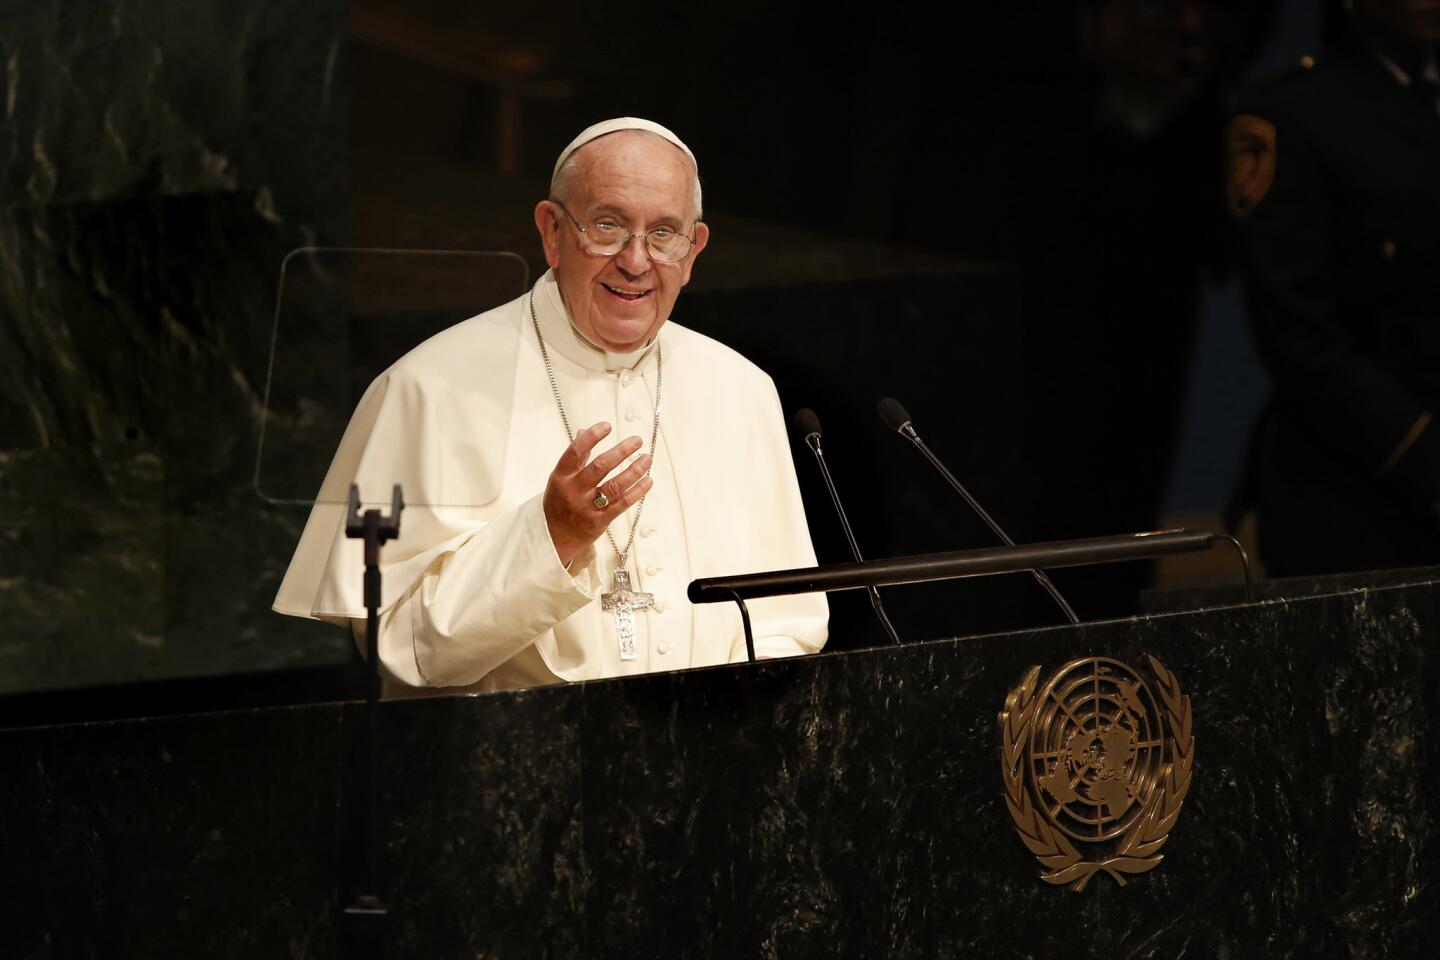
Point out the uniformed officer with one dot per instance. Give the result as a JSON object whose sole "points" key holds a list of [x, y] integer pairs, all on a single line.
{"points": [[1334, 185]]}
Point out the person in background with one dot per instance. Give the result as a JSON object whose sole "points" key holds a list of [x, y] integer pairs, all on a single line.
{"points": [[1334, 190]]}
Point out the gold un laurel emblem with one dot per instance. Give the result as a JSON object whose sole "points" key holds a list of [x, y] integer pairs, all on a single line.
{"points": [[1093, 760]]}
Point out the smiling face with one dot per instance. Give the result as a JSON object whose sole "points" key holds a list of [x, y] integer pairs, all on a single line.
{"points": [[619, 302]]}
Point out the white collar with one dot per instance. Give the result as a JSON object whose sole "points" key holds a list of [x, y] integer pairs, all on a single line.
{"points": [[561, 336]]}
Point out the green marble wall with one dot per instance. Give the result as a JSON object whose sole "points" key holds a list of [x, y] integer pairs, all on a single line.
{"points": [[156, 162]]}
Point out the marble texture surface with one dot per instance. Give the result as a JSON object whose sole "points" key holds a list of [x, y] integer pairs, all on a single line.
{"points": [[844, 805], [211, 836], [157, 160]]}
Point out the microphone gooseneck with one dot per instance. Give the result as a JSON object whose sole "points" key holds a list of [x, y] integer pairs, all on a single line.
{"points": [[807, 424], [894, 416]]}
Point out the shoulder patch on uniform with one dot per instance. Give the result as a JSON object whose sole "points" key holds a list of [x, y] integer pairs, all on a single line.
{"points": [[1250, 159]]}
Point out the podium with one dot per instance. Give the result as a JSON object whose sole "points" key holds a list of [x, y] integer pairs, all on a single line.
{"points": [[842, 805]]}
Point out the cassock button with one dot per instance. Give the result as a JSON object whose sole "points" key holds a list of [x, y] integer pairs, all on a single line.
{"points": [[663, 648], [647, 531], [661, 606], [654, 571], [631, 415], [625, 379]]}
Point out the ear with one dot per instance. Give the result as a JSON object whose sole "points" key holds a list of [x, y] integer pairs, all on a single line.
{"points": [[702, 237], [547, 222]]}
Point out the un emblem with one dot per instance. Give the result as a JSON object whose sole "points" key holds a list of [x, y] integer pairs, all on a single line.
{"points": [[1094, 760]]}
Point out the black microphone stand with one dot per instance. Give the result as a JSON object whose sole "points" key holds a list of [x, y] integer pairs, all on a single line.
{"points": [[806, 419], [363, 930], [897, 419]]}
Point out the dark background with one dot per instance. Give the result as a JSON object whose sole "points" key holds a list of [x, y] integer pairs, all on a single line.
{"points": [[984, 211]]}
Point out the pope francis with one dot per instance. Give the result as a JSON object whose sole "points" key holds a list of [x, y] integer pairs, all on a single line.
{"points": [[535, 547]]}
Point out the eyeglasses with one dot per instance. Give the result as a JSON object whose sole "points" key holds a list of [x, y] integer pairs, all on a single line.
{"points": [[607, 237]]}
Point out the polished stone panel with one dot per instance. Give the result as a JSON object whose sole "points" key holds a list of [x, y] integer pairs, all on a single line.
{"points": [[157, 160], [842, 805], [486, 806], [214, 835]]}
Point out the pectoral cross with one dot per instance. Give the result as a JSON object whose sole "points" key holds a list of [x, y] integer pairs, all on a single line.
{"points": [[623, 602]]}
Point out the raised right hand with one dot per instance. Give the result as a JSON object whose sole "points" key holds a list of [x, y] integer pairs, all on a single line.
{"points": [[570, 512]]}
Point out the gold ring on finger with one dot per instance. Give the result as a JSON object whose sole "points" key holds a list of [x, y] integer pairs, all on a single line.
{"points": [[601, 501]]}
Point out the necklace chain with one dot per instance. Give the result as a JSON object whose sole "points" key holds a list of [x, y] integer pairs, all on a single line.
{"points": [[621, 555]]}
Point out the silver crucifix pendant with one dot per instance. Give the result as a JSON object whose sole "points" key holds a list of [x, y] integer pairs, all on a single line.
{"points": [[623, 602]]}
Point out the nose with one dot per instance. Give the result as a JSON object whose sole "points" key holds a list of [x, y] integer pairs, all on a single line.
{"points": [[634, 260]]}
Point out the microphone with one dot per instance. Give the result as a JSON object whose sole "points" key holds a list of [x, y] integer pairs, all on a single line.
{"points": [[894, 416], [808, 426]]}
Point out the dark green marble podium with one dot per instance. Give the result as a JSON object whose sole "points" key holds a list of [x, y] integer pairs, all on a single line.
{"points": [[844, 805]]}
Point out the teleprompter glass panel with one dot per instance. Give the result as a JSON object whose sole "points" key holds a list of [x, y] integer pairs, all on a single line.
{"points": [[343, 317]]}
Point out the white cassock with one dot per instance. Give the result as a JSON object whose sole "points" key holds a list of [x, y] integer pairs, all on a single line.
{"points": [[473, 593]]}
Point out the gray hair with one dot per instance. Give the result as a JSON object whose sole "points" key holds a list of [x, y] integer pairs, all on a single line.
{"points": [[560, 182]]}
